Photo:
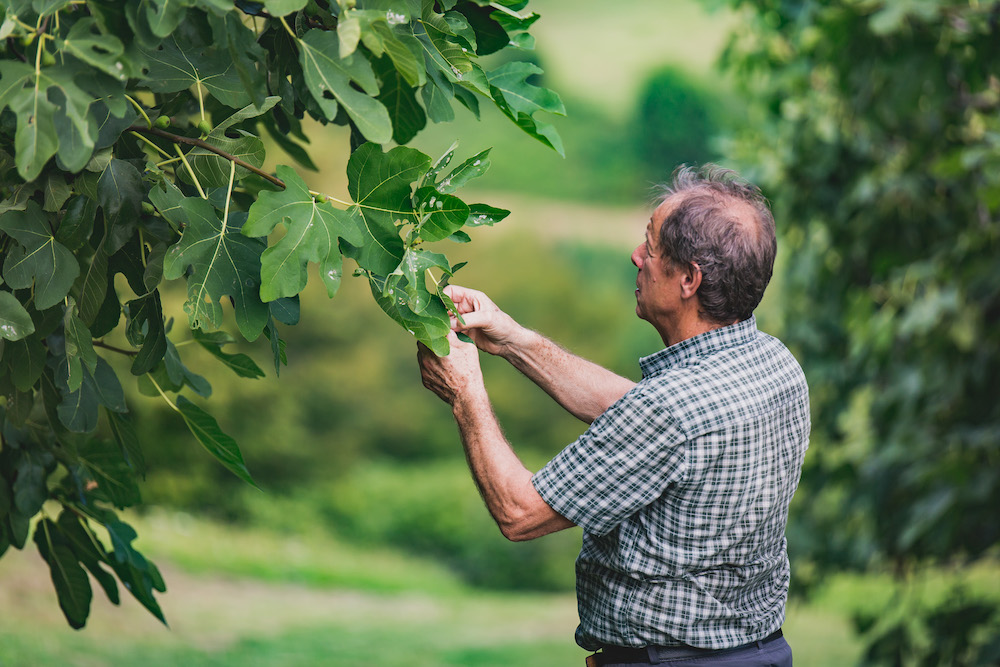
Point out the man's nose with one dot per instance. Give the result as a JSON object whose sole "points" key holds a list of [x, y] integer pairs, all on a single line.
{"points": [[637, 256]]}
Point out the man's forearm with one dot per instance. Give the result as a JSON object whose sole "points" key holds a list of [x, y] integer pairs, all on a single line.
{"points": [[503, 481], [582, 387]]}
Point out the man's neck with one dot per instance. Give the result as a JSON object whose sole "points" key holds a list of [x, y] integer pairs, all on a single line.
{"points": [[686, 327]]}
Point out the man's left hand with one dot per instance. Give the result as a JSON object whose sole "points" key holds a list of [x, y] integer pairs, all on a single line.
{"points": [[453, 376]]}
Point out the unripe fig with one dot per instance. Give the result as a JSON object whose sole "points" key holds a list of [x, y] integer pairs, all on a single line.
{"points": [[162, 122], [204, 126]]}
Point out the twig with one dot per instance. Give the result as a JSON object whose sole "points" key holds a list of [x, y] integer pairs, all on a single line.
{"points": [[178, 139], [100, 343]]}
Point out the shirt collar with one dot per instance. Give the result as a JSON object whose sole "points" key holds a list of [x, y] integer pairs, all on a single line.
{"points": [[699, 346]]}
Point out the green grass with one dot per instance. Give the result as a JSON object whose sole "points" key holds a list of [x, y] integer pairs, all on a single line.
{"points": [[257, 597]]}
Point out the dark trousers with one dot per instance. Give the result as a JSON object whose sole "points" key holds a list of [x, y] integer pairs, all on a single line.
{"points": [[773, 653]]}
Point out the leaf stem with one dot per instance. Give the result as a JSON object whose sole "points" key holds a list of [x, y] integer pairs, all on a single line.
{"points": [[290, 32], [194, 178], [162, 152], [178, 139], [330, 197], [138, 107], [229, 194], [165, 397]]}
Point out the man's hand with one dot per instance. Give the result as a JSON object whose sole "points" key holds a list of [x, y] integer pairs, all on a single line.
{"points": [[452, 376], [491, 329]]}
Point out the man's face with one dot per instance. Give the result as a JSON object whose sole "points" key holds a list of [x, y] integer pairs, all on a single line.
{"points": [[657, 293]]}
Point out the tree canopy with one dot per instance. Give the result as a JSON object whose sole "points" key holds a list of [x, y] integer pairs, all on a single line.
{"points": [[880, 144], [132, 141]]}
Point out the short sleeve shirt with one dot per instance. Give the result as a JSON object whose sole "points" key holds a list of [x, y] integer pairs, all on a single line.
{"points": [[682, 489]]}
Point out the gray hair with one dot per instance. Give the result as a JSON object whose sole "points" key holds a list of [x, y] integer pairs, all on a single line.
{"points": [[724, 225]]}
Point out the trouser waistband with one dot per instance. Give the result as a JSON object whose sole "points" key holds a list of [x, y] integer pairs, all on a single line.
{"points": [[653, 653]]}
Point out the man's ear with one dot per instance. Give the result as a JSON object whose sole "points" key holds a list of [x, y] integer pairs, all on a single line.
{"points": [[690, 280]]}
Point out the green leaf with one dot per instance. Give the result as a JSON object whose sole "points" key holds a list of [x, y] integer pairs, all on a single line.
{"points": [[400, 101], [204, 427], [57, 191], [13, 77], [76, 127], [430, 327], [223, 263], [78, 410], [521, 96], [92, 286], [380, 185], [413, 268], [441, 214], [47, 7], [329, 80], [139, 575], [172, 69], [403, 49], [123, 430], [283, 7], [38, 259], [437, 100], [490, 35], [435, 35], [30, 490], [312, 232], [79, 347], [107, 388], [241, 42], [105, 52], [164, 16], [15, 323], [70, 581], [88, 550], [78, 222], [106, 474], [145, 329], [178, 375], [520, 100], [119, 192], [472, 168], [277, 345], [35, 140], [483, 214], [26, 358], [239, 363]]}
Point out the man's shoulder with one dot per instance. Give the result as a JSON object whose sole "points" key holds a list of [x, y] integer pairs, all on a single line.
{"points": [[742, 379]]}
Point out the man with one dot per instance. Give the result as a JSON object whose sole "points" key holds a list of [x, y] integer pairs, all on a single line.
{"points": [[682, 482]]}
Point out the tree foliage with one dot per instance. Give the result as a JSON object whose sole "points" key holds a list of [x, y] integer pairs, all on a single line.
{"points": [[881, 146], [132, 143]]}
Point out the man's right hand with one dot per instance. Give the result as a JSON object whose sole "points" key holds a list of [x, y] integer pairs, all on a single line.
{"points": [[492, 330]]}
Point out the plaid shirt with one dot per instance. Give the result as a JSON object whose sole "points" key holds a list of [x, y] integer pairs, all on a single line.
{"points": [[682, 490]]}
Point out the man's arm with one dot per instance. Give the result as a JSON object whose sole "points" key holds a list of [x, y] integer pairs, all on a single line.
{"points": [[582, 387], [503, 481]]}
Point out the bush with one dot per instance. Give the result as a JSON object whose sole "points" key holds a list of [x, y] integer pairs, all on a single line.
{"points": [[434, 509], [675, 123]]}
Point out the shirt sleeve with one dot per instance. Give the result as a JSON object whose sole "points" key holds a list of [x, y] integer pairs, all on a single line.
{"points": [[623, 462]]}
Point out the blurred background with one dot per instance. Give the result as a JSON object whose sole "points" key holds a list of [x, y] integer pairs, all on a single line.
{"points": [[873, 129]]}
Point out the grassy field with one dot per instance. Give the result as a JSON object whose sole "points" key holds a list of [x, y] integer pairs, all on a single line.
{"points": [[254, 597]]}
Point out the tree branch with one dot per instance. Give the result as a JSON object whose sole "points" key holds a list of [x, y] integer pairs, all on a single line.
{"points": [[100, 343], [178, 139]]}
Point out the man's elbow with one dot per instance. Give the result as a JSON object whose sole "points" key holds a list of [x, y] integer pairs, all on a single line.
{"points": [[516, 528]]}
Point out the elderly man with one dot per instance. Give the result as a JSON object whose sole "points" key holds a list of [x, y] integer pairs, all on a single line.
{"points": [[682, 482]]}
